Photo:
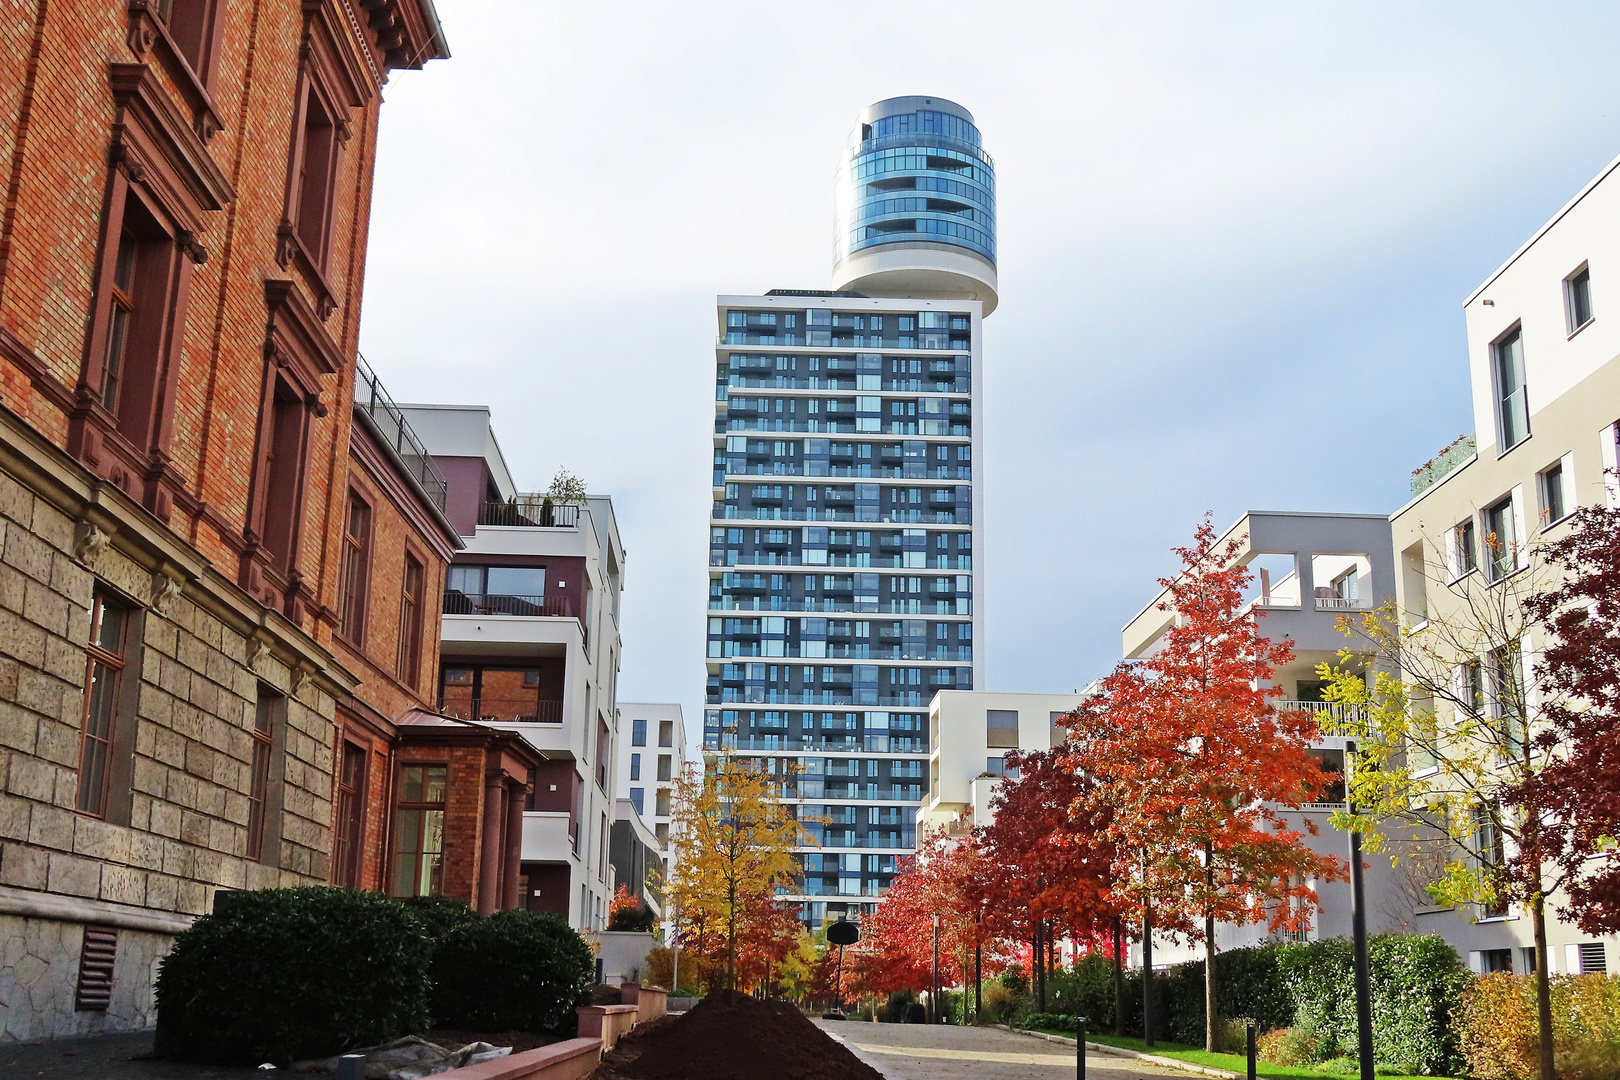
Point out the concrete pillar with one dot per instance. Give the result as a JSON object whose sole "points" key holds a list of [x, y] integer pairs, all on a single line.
{"points": [[514, 846], [490, 851]]}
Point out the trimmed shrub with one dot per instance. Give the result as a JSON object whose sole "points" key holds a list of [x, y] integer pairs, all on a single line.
{"points": [[516, 970], [894, 1010], [1416, 982], [1496, 1027], [1050, 1022], [997, 1001], [438, 915], [278, 974], [1086, 989], [1288, 1046], [1249, 985]]}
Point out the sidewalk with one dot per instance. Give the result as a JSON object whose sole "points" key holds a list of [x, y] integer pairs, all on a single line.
{"points": [[943, 1052], [106, 1057]]}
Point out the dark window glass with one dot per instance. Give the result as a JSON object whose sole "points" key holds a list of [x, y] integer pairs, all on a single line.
{"points": [[103, 672], [408, 661], [351, 814], [356, 569], [1512, 409], [264, 716]]}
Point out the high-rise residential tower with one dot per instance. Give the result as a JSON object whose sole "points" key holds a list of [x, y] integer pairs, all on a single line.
{"points": [[845, 523]]}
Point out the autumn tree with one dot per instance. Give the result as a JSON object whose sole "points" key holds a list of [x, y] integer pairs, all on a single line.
{"points": [[1195, 768], [1448, 733], [735, 842], [1044, 855], [1580, 737], [897, 940]]}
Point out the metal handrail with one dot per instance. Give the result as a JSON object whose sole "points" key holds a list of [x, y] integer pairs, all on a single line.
{"points": [[390, 424], [457, 602], [530, 511]]}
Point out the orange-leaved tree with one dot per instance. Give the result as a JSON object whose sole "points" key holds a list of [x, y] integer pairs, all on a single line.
{"points": [[897, 940], [1197, 768], [735, 842], [1045, 856]]}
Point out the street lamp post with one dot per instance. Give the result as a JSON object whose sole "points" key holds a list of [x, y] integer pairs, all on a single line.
{"points": [[1358, 931], [933, 997]]}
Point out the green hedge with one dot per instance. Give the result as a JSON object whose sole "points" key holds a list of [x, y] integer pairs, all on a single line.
{"points": [[516, 970], [277, 974], [1417, 983]]}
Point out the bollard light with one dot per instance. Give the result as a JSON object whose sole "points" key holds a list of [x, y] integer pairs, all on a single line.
{"points": [[351, 1067], [1080, 1048]]}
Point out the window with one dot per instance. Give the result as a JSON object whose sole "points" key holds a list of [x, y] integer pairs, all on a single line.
{"points": [[1512, 409], [1000, 766], [638, 796], [351, 817], [283, 469], [1465, 559], [1554, 503], [1578, 298], [259, 809], [136, 319], [193, 26], [663, 767], [356, 570], [601, 753], [666, 733], [315, 159], [1507, 700], [1494, 960], [522, 695], [661, 808], [104, 666], [408, 662], [661, 830], [638, 733], [635, 766], [419, 853], [1501, 540], [1001, 727], [1472, 688]]}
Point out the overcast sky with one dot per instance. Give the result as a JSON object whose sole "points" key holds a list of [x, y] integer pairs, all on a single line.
{"points": [[1234, 241]]}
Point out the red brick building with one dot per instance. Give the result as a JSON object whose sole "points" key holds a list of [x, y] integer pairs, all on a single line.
{"points": [[219, 590]]}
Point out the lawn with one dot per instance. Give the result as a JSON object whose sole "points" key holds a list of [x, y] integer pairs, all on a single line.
{"points": [[1235, 1063]]}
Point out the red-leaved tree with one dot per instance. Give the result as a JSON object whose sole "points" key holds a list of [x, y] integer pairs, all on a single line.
{"points": [[897, 940], [1579, 790], [1195, 767]]}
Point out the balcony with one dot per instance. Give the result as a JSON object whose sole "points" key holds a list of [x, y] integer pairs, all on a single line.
{"points": [[1326, 711], [530, 512], [460, 603]]}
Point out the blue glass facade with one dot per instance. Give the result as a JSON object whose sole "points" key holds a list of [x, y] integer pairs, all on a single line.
{"points": [[917, 176], [841, 580]]}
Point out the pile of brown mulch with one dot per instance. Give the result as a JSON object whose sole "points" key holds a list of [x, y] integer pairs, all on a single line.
{"points": [[730, 1036]]}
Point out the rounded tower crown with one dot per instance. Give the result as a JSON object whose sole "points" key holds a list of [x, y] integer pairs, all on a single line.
{"points": [[916, 205]]}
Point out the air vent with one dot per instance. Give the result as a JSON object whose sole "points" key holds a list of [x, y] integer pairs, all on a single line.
{"points": [[96, 958], [1592, 959]]}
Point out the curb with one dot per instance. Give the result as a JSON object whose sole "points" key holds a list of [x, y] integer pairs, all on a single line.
{"points": [[1120, 1051]]}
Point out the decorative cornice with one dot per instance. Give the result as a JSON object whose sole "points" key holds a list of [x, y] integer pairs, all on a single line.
{"points": [[291, 317], [151, 130]]}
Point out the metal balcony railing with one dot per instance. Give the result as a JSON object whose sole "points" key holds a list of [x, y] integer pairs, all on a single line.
{"points": [[460, 603], [530, 511], [388, 423], [509, 710]]}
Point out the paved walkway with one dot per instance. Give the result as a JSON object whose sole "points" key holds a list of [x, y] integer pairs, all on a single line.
{"points": [[943, 1052], [107, 1057]]}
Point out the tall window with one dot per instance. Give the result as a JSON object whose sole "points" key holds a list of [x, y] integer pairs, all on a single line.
{"points": [[638, 798], [663, 767], [351, 816], [408, 663], [1553, 504], [1512, 409], [635, 766], [638, 733], [283, 469], [102, 674], [1464, 557], [1501, 540], [1578, 298], [666, 733], [121, 315], [601, 753], [264, 721], [356, 569], [317, 161], [139, 294], [419, 853], [1507, 704]]}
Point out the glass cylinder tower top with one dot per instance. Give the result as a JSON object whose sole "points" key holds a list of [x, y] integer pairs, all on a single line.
{"points": [[916, 213]]}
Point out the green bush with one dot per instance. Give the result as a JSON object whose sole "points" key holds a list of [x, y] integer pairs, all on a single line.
{"points": [[1416, 982], [1086, 989], [1248, 986], [1047, 1021], [516, 970], [278, 974], [438, 915], [894, 1010], [998, 1001], [637, 919]]}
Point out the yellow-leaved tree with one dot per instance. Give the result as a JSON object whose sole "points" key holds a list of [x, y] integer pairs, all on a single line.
{"points": [[734, 841]]}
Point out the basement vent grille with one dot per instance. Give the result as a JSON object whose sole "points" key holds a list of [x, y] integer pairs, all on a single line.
{"points": [[96, 969], [1592, 959]]}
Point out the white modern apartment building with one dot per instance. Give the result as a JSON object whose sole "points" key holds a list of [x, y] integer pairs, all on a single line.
{"points": [[650, 761], [1544, 368], [530, 643], [973, 732], [846, 516], [1310, 570]]}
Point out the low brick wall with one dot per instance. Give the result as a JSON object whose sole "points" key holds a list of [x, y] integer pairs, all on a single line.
{"points": [[606, 1022], [570, 1060], [651, 1002]]}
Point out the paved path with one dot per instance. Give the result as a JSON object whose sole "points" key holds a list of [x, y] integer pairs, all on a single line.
{"points": [[942, 1052]]}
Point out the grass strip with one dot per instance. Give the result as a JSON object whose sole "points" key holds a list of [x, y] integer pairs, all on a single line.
{"points": [[1234, 1063]]}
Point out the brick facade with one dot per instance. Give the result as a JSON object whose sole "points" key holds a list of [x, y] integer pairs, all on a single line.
{"points": [[182, 246]]}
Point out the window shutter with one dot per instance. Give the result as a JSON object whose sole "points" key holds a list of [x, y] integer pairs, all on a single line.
{"points": [[1521, 537], [96, 956], [1607, 442]]}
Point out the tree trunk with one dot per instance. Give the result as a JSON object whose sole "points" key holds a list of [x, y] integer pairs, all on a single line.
{"points": [[1544, 1021], [731, 936], [1212, 1018], [1037, 970]]}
